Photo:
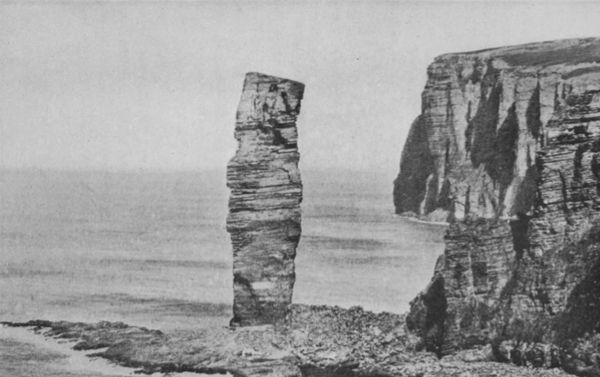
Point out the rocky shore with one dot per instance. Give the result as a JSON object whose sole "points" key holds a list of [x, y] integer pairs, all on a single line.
{"points": [[314, 341]]}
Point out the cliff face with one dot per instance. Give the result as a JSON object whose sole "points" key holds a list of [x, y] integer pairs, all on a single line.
{"points": [[521, 170], [484, 117], [264, 206]]}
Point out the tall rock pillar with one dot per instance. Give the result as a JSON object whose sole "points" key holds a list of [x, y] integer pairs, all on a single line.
{"points": [[264, 206]]}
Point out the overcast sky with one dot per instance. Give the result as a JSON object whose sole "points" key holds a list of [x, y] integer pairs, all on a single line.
{"points": [[155, 85]]}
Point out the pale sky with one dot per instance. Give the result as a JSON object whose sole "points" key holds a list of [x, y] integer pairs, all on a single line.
{"points": [[155, 85]]}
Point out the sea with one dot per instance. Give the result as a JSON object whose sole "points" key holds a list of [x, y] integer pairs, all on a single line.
{"points": [[151, 249]]}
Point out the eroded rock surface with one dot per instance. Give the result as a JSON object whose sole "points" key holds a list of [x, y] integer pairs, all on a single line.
{"points": [[315, 341], [521, 268], [264, 206], [484, 117]]}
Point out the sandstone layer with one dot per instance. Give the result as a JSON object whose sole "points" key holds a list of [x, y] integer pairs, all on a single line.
{"points": [[484, 117], [521, 268], [264, 206]]}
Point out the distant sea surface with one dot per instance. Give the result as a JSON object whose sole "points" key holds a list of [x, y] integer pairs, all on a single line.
{"points": [[151, 249]]}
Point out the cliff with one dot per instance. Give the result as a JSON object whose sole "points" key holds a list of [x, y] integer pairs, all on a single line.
{"points": [[484, 116], [264, 206], [510, 140]]}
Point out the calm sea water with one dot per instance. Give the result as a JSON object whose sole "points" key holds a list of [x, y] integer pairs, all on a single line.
{"points": [[151, 248]]}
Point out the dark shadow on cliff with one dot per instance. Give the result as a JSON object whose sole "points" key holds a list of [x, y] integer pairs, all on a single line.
{"points": [[489, 145], [416, 165], [532, 114], [501, 166], [481, 130], [527, 194], [427, 315], [582, 313]]}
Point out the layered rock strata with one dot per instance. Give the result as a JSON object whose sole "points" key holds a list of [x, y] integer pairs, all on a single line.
{"points": [[264, 206], [484, 117], [528, 271]]}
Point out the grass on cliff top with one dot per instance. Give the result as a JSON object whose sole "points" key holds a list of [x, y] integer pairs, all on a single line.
{"points": [[571, 54], [569, 51]]}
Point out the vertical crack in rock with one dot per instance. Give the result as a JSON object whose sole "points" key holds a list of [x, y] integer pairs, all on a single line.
{"points": [[527, 191], [519, 229], [501, 166], [264, 206], [532, 115], [485, 121]]}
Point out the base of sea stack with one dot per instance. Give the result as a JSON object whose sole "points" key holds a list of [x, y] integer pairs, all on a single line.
{"points": [[315, 341]]}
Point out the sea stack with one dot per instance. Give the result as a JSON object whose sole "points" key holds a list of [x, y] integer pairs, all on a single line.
{"points": [[507, 149], [264, 206]]}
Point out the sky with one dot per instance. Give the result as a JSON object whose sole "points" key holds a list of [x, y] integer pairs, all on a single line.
{"points": [[155, 85]]}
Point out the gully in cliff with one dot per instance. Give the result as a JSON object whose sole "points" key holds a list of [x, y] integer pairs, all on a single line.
{"points": [[264, 206], [507, 149]]}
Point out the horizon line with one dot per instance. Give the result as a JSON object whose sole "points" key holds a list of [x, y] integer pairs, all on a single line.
{"points": [[170, 170]]}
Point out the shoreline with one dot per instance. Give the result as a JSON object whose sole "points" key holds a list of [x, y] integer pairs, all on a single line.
{"points": [[314, 341], [71, 361], [421, 221]]}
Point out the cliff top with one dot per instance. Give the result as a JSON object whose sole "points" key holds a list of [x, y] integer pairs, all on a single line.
{"points": [[571, 51]]}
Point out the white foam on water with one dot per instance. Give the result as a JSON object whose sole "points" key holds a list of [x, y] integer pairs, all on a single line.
{"points": [[79, 361]]}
